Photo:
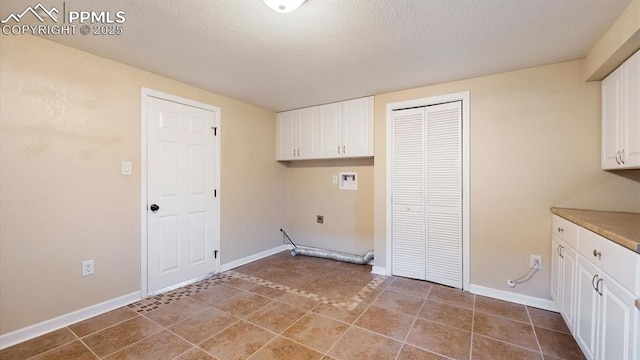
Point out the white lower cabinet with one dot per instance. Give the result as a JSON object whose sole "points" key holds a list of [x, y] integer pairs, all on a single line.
{"points": [[598, 309], [563, 265]]}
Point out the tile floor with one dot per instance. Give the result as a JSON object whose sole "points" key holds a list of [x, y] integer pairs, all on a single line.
{"points": [[285, 307]]}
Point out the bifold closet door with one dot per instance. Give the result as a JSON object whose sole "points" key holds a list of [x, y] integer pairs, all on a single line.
{"points": [[427, 193], [408, 195]]}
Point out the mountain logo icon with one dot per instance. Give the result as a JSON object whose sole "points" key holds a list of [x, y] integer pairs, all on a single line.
{"points": [[38, 11]]}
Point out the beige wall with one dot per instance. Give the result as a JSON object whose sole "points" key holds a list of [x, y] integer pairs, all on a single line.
{"points": [[68, 119], [348, 214], [535, 143], [617, 44]]}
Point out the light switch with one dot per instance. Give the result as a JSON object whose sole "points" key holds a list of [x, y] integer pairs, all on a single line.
{"points": [[335, 179], [126, 168]]}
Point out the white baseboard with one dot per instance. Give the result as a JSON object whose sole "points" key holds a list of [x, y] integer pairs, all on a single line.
{"points": [[379, 270], [513, 297], [251, 258], [59, 322]]}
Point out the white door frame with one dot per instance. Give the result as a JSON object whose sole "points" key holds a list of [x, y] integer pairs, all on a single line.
{"points": [[434, 100], [145, 95]]}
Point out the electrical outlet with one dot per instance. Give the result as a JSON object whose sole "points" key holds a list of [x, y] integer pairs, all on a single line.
{"points": [[88, 267], [320, 219], [535, 258]]}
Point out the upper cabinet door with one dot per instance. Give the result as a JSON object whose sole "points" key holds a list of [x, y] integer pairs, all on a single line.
{"points": [[330, 130], [621, 116], [307, 133], [357, 127], [631, 116], [611, 116], [286, 135]]}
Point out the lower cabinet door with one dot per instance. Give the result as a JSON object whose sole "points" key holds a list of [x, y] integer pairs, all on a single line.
{"points": [[587, 299], [568, 289], [556, 270], [618, 328]]}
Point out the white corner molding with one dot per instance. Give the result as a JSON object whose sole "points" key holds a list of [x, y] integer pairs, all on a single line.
{"points": [[513, 297], [251, 258], [59, 322]]}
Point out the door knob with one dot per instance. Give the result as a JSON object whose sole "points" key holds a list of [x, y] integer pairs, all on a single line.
{"points": [[154, 207]]}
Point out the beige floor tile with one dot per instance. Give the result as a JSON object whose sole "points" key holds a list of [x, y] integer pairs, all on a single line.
{"points": [[549, 357], [558, 344], [103, 321], [281, 348], [507, 330], [38, 345], [386, 322], [243, 304], [276, 316], [359, 344], [75, 350], [410, 286], [485, 348], [316, 331], [195, 354], [298, 301], [501, 308], [441, 339], [447, 314], [203, 325], [216, 294], [175, 312], [117, 337], [406, 304], [241, 284], [267, 292], [161, 346], [548, 320], [451, 296], [238, 341], [340, 314], [409, 352]]}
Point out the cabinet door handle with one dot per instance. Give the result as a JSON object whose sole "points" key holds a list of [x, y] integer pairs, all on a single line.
{"points": [[560, 230], [344, 149], [598, 288], [597, 254], [558, 250], [338, 149], [561, 251], [593, 282], [617, 155], [622, 156]]}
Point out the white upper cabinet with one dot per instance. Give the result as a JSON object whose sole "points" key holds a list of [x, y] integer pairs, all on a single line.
{"points": [[308, 133], [621, 116], [297, 134], [357, 127], [336, 130], [330, 131]]}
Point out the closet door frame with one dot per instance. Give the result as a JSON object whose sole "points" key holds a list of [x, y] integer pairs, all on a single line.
{"points": [[434, 100]]}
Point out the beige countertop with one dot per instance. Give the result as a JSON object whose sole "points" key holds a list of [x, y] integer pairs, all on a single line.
{"points": [[619, 227]]}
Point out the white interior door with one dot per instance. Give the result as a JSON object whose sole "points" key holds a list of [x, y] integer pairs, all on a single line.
{"points": [[444, 193], [427, 193], [181, 185], [408, 217]]}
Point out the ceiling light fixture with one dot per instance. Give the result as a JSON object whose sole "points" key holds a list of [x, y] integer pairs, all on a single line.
{"points": [[283, 6]]}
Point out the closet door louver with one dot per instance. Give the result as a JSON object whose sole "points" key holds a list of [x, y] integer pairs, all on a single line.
{"points": [[444, 197], [408, 230]]}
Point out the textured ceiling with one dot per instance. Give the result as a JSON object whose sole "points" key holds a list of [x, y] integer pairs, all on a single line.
{"points": [[330, 50]]}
